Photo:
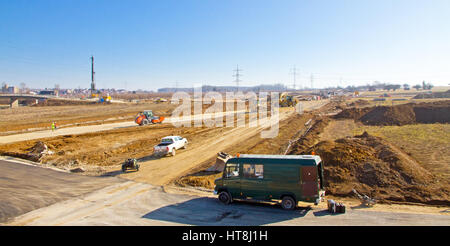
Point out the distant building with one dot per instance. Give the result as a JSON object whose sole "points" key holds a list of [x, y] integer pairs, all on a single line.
{"points": [[10, 89], [13, 90], [5, 88], [49, 92]]}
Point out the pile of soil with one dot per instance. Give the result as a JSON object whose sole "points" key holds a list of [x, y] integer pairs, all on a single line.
{"points": [[352, 113], [445, 94], [56, 102], [373, 167], [403, 114], [201, 179], [35, 153], [310, 138], [359, 103], [390, 115]]}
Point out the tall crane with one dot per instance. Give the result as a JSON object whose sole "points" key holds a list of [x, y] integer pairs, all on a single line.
{"points": [[93, 91]]}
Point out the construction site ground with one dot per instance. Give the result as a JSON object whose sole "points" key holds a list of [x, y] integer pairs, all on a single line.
{"points": [[71, 199], [172, 190], [34, 118]]}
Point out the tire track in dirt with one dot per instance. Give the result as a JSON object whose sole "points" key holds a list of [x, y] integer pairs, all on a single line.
{"points": [[165, 170]]}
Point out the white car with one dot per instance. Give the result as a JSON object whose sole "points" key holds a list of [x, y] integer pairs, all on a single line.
{"points": [[169, 145]]}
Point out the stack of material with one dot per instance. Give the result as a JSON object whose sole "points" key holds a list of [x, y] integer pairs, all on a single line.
{"points": [[335, 207], [222, 158], [365, 200], [38, 151]]}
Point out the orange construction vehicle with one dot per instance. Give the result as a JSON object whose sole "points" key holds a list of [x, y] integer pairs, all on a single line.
{"points": [[147, 117]]}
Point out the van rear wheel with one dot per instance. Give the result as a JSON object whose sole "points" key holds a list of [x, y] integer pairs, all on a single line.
{"points": [[288, 203], [225, 197]]}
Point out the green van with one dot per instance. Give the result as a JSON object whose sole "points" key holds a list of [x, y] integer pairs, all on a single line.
{"points": [[289, 178]]}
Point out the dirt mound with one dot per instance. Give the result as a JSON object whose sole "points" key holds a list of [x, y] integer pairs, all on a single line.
{"points": [[57, 102], [359, 103], [403, 114], [388, 116], [445, 94], [369, 165], [201, 179], [310, 137], [435, 112], [35, 153], [352, 113]]}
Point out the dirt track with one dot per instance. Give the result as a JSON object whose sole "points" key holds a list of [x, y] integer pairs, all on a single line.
{"points": [[78, 130], [161, 171]]}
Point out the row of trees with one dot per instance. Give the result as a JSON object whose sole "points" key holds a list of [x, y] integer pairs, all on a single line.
{"points": [[424, 86], [386, 86]]}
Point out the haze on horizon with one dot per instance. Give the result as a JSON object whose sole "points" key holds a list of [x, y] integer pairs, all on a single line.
{"points": [[142, 44]]}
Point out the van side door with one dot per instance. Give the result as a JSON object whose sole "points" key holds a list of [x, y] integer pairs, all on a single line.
{"points": [[253, 184], [232, 179]]}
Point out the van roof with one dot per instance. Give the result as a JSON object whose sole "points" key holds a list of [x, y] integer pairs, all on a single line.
{"points": [[307, 160]]}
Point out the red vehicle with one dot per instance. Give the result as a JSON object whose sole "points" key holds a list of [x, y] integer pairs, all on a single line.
{"points": [[147, 117]]}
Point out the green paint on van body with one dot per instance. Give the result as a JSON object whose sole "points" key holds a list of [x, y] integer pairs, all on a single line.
{"points": [[271, 177]]}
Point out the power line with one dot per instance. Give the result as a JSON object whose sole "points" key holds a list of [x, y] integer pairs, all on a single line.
{"points": [[237, 75], [294, 73], [92, 76]]}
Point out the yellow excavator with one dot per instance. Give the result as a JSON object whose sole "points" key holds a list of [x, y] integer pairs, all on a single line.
{"points": [[287, 100]]}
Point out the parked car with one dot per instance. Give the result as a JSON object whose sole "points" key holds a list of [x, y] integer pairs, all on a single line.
{"points": [[169, 145], [289, 178]]}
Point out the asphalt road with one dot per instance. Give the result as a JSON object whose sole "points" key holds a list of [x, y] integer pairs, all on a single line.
{"points": [[24, 188], [40, 196]]}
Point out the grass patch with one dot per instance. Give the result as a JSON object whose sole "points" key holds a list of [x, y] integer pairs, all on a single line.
{"points": [[429, 144]]}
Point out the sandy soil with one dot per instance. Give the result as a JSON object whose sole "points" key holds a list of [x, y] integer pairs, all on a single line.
{"points": [[154, 206], [22, 119]]}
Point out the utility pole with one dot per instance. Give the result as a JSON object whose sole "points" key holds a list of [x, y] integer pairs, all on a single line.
{"points": [[294, 73], [312, 81], [237, 75], [92, 76]]}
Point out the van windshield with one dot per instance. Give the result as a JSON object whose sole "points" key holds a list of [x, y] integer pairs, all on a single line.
{"points": [[232, 170]]}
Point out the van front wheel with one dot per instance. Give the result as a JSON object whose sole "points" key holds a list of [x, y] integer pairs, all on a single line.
{"points": [[288, 203], [225, 197]]}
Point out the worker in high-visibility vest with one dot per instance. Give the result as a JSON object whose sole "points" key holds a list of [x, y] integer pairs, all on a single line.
{"points": [[53, 126]]}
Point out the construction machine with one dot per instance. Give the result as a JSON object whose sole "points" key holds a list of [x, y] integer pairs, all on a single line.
{"points": [[161, 100], [287, 100], [105, 99], [130, 163], [147, 117]]}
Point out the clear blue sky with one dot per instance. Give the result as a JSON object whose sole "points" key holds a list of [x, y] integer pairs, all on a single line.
{"points": [[152, 44]]}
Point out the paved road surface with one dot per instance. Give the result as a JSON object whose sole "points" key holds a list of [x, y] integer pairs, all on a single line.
{"points": [[24, 188], [56, 198]]}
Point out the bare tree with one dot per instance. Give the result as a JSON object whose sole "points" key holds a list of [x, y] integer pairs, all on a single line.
{"points": [[23, 88]]}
